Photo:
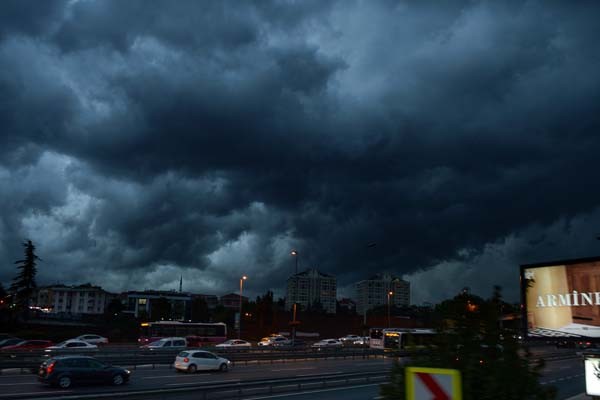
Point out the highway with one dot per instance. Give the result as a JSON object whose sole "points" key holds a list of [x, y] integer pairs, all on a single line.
{"points": [[564, 370], [12, 386]]}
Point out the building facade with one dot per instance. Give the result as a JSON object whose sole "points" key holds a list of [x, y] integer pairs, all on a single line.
{"points": [[73, 300], [374, 291], [310, 288], [232, 301], [142, 303]]}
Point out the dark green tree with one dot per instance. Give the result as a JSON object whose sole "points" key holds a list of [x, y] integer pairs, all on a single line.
{"points": [[265, 309], [2, 292], [114, 308], [23, 284], [199, 310], [493, 364], [160, 309]]}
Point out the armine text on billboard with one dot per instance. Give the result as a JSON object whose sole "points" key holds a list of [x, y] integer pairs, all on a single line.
{"points": [[562, 299]]}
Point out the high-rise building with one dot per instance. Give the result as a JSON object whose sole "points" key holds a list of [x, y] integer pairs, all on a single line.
{"points": [[374, 291], [310, 289]]}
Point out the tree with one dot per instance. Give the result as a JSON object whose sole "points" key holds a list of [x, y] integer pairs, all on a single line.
{"points": [[114, 308], [160, 309], [199, 310], [487, 356], [3, 297], [24, 283], [2, 292]]}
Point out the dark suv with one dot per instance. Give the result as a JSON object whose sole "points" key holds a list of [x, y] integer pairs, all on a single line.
{"points": [[65, 371]]}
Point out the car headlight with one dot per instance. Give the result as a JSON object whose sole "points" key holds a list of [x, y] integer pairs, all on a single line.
{"points": [[128, 372]]}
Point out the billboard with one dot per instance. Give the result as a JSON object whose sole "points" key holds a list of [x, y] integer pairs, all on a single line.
{"points": [[561, 299]]}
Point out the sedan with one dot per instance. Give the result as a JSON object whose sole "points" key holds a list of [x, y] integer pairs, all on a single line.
{"points": [[328, 343], [73, 344], [10, 342], [29, 345], [235, 343], [192, 361], [350, 338], [93, 339], [66, 371]]}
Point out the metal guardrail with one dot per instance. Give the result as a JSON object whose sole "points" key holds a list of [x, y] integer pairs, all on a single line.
{"points": [[29, 360], [207, 391]]}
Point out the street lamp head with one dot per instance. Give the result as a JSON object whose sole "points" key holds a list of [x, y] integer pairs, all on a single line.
{"points": [[244, 277], [294, 253], [390, 293]]}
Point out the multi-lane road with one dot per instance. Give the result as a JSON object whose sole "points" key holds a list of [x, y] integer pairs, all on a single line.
{"points": [[564, 370], [167, 378]]}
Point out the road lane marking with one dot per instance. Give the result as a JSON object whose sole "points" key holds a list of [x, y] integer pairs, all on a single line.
{"points": [[195, 383], [285, 395], [35, 393], [292, 369], [335, 372], [19, 383], [175, 376]]}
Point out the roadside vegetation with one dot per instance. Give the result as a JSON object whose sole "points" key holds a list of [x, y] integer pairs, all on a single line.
{"points": [[494, 364]]}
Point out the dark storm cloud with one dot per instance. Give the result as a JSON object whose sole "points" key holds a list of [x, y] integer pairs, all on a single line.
{"points": [[210, 139]]}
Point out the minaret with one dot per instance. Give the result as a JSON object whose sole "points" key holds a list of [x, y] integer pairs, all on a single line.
{"points": [[180, 283]]}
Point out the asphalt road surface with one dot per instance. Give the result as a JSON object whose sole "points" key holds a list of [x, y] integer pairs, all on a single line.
{"points": [[566, 374], [163, 378]]}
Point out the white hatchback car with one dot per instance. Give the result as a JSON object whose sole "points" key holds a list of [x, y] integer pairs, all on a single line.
{"points": [[200, 360], [328, 343], [93, 339], [235, 343]]}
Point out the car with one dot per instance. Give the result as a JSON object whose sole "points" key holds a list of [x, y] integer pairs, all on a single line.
{"points": [[275, 341], [93, 339], [65, 371], [196, 360], [4, 336], [363, 341], [235, 343], [169, 343], [73, 344], [350, 339], [10, 342], [29, 345], [328, 343]]}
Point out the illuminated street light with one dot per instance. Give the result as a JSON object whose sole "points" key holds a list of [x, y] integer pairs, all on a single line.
{"points": [[295, 254], [242, 279], [389, 295]]}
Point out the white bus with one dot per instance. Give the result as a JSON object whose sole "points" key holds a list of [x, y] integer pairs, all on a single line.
{"points": [[400, 338]]}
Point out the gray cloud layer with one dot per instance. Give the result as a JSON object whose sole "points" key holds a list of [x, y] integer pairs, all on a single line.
{"points": [[208, 139]]}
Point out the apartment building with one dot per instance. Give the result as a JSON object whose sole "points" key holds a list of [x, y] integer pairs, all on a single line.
{"points": [[374, 291], [310, 288]]}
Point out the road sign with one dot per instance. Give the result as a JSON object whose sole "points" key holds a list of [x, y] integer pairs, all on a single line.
{"points": [[433, 384]]}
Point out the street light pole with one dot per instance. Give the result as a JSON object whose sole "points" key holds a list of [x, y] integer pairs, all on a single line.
{"points": [[389, 295], [295, 254], [242, 279]]}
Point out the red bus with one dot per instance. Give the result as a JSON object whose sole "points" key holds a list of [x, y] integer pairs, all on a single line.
{"points": [[197, 334]]}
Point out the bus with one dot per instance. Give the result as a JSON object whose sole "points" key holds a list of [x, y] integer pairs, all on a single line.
{"points": [[400, 338], [197, 334]]}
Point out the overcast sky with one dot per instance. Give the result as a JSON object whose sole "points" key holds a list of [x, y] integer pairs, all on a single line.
{"points": [[141, 141]]}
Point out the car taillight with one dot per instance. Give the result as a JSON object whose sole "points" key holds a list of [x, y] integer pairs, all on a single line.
{"points": [[186, 359], [50, 368]]}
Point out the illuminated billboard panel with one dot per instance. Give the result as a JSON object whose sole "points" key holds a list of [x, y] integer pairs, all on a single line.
{"points": [[561, 299]]}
